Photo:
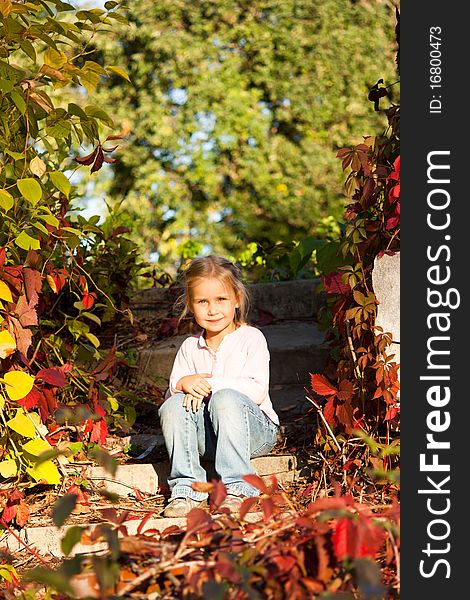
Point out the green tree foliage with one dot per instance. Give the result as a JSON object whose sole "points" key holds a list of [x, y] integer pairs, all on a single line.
{"points": [[235, 112]]}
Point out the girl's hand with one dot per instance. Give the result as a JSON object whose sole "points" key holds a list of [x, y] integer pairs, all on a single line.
{"points": [[190, 402], [195, 385]]}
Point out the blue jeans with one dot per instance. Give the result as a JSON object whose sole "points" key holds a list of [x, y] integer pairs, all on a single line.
{"points": [[229, 428]]}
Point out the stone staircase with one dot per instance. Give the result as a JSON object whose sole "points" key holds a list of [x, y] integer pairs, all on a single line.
{"points": [[294, 340], [296, 349]]}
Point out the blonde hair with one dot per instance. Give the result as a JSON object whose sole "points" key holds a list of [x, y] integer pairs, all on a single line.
{"points": [[219, 268]]}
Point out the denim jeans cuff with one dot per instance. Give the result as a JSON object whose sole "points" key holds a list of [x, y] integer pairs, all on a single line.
{"points": [[241, 489], [183, 491]]}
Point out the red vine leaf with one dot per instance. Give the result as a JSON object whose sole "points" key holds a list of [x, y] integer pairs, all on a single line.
{"points": [[322, 386]]}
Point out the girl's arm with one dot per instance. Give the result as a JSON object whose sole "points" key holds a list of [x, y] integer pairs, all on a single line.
{"points": [[183, 377], [254, 378]]}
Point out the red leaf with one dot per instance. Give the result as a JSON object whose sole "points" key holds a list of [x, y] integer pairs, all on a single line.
{"points": [[333, 284], [218, 494], [329, 411], [268, 508], [32, 285], [26, 312], [88, 300], [197, 518], [247, 505], [346, 389], [344, 539], [54, 376], [32, 399], [88, 159], [99, 432], [22, 514], [98, 160], [284, 563], [3, 255], [47, 403], [256, 482], [322, 386]]}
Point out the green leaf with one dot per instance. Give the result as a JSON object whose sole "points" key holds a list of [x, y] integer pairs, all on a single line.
{"points": [[15, 155], [71, 538], [77, 328], [27, 242], [6, 86], [76, 110], [50, 220], [91, 316], [28, 49], [93, 339], [63, 508], [6, 200], [119, 71], [30, 189], [19, 101], [55, 579], [41, 227], [61, 182], [99, 113]]}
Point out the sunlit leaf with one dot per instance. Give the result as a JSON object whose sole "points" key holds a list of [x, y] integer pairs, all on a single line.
{"points": [[61, 182], [119, 71], [18, 384], [22, 425], [36, 447], [8, 468], [46, 471], [7, 343], [25, 241], [30, 189], [6, 200], [5, 292]]}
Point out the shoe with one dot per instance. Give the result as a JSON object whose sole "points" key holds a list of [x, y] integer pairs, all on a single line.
{"points": [[179, 507], [232, 502]]}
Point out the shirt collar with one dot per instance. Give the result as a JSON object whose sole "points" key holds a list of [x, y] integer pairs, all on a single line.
{"points": [[201, 343]]}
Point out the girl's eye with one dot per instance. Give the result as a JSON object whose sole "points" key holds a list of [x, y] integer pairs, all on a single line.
{"points": [[221, 299], [201, 301]]}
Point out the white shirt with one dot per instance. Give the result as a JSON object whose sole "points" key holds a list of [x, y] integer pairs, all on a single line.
{"points": [[240, 363]]}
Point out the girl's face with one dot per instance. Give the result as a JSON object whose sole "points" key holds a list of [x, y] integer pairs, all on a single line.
{"points": [[213, 305]]}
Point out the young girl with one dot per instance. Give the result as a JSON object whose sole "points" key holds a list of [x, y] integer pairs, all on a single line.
{"points": [[217, 404]]}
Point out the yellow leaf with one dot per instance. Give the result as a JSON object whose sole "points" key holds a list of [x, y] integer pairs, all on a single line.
{"points": [[8, 468], [2, 401], [6, 200], [5, 293], [21, 424], [36, 447], [55, 58], [7, 344], [17, 384], [46, 471]]}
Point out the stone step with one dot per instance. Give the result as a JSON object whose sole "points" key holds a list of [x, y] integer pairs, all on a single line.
{"points": [[298, 299], [147, 478], [152, 478], [296, 349], [46, 540]]}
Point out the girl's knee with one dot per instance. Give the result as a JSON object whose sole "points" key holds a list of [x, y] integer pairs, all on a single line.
{"points": [[172, 406], [225, 399]]}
